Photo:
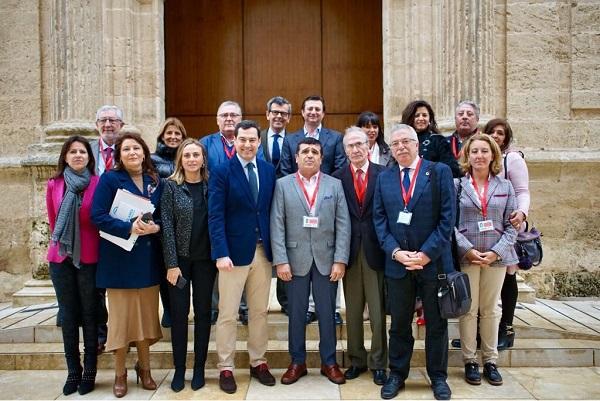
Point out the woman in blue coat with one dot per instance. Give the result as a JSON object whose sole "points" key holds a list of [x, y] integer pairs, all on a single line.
{"points": [[131, 277]]}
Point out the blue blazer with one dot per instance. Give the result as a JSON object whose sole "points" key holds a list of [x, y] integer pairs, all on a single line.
{"points": [[334, 157], [235, 221], [118, 268], [216, 154], [425, 233]]}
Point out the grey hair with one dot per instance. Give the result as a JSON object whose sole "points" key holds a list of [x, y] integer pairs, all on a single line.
{"points": [[404, 127], [109, 107], [470, 103], [229, 103], [281, 101], [354, 129]]}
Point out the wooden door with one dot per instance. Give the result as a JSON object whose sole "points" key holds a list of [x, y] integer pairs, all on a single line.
{"points": [[252, 50]]}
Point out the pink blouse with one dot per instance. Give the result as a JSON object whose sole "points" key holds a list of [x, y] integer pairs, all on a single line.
{"points": [[518, 175]]}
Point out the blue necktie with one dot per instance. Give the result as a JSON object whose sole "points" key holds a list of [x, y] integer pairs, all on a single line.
{"points": [[276, 153], [252, 181], [406, 179]]}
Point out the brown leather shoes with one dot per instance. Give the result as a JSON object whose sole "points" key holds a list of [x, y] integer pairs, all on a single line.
{"points": [[333, 373], [261, 372], [293, 373], [227, 382], [148, 382], [120, 386]]}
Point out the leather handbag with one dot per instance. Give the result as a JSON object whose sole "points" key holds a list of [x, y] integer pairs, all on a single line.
{"points": [[529, 248], [454, 288]]}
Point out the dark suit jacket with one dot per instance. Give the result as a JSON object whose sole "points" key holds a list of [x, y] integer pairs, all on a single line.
{"points": [[118, 268], [333, 151], [425, 233], [233, 216], [363, 230]]}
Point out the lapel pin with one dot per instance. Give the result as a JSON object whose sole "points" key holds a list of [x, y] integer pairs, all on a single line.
{"points": [[427, 173]]}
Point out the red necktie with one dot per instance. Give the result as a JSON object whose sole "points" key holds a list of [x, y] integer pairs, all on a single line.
{"points": [[360, 186], [108, 158]]}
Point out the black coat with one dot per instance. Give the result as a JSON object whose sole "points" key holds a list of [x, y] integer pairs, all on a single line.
{"points": [[164, 159], [435, 148], [363, 230]]}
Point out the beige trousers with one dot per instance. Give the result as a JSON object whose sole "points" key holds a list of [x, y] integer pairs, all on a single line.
{"points": [[256, 279], [486, 284]]}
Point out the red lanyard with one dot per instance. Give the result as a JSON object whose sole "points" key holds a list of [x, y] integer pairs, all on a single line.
{"points": [[360, 192], [482, 198], [454, 146], [229, 151], [407, 195], [309, 201]]}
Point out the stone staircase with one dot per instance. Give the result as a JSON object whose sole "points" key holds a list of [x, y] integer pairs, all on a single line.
{"points": [[547, 336]]}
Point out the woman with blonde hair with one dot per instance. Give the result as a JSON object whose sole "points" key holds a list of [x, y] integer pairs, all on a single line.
{"points": [[485, 241], [186, 248]]}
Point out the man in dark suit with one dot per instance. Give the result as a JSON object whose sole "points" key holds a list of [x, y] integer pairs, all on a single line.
{"points": [[363, 283], [239, 202], [310, 230], [333, 158], [416, 242], [313, 112], [279, 112], [466, 119]]}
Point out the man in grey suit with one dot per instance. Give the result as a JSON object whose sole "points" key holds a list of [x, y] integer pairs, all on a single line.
{"points": [[310, 239], [109, 121]]}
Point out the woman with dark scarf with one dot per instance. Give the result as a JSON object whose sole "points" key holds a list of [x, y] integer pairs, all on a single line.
{"points": [[432, 145], [72, 255], [170, 135]]}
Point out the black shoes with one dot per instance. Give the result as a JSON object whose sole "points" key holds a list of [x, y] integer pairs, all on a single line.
{"points": [[491, 374], [178, 381], [88, 382], [227, 382], [310, 317], [379, 376], [392, 387], [198, 379], [441, 390], [244, 317], [72, 382], [506, 337], [338, 319], [472, 375], [261, 372], [353, 372]]}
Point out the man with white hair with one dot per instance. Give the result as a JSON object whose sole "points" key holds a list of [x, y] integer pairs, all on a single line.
{"points": [[413, 212], [466, 118]]}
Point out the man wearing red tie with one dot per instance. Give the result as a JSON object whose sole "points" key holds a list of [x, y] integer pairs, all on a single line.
{"points": [[364, 280]]}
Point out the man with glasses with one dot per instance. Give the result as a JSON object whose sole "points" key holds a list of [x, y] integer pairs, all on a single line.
{"points": [[109, 121], [363, 283], [414, 208], [220, 149]]}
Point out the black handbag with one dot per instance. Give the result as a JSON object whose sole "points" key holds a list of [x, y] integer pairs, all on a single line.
{"points": [[529, 248], [454, 288]]}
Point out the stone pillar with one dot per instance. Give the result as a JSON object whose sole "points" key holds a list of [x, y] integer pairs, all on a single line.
{"points": [[442, 52]]}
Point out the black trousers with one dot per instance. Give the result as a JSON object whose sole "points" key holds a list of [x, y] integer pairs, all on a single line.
{"points": [[401, 297], [200, 275], [76, 293]]}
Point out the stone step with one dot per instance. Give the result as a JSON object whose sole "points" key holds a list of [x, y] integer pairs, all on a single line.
{"points": [[34, 292], [525, 353]]}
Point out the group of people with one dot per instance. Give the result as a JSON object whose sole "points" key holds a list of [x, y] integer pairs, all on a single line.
{"points": [[314, 207]]}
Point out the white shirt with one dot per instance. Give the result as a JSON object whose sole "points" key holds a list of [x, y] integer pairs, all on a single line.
{"points": [[270, 140], [411, 173], [245, 163], [374, 153], [364, 168], [316, 134]]}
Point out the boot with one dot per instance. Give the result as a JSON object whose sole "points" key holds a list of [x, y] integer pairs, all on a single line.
{"points": [[120, 386], [147, 380], [88, 379], [506, 336], [198, 378], [73, 380], [178, 382]]}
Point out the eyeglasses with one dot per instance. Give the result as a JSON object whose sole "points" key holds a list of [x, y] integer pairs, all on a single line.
{"points": [[356, 145], [112, 121], [279, 113], [229, 115], [403, 142]]}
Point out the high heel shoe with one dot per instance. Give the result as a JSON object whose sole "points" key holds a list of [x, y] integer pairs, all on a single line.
{"points": [[506, 337], [120, 386], [148, 382]]}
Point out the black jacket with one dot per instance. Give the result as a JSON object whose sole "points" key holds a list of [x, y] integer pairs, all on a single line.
{"points": [[164, 159], [435, 148]]}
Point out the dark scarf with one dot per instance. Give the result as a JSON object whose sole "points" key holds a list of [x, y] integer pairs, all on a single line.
{"points": [[66, 228]]}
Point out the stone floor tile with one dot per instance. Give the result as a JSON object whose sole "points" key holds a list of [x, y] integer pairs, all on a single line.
{"points": [[210, 391], [560, 383], [363, 388], [511, 389], [313, 386], [31, 384]]}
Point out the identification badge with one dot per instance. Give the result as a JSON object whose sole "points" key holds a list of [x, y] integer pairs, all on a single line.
{"points": [[485, 225], [404, 217], [310, 222]]}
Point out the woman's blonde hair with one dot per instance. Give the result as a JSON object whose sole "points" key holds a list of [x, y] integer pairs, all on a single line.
{"points": [[178, 174], [496, 163]]}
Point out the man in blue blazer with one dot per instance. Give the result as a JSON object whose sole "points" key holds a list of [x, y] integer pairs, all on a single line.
{"points": [[239, 202], [416, 242]]}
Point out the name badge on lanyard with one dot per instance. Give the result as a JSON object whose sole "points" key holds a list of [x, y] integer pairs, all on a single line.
{"points": [[486, 224], [310, 222], [404, 217]]}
